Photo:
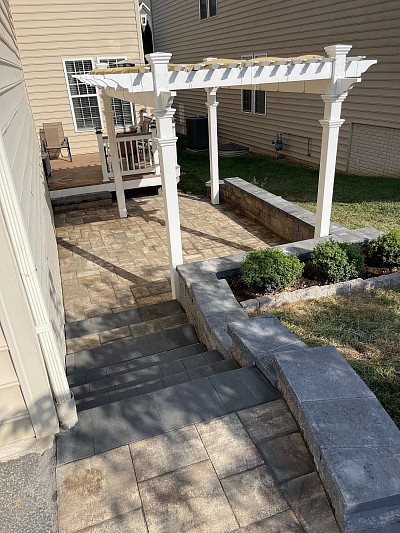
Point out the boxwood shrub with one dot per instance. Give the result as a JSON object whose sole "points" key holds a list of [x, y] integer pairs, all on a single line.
{"points": [[385, 250], [338, 261], [270, 270]]}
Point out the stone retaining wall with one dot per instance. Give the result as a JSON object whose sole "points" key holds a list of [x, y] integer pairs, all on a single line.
{"points": [[289, 221], [354, 442]]}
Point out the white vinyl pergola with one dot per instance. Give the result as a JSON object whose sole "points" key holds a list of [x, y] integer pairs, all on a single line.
{"points": [[155, 86]]}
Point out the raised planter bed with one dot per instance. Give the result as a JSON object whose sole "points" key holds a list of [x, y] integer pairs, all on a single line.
{"points": [[268, 301]]}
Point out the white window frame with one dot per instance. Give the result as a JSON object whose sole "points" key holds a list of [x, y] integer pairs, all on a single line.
{"points": [[253, 91], [120, 57], [70, 97], [208, 10]]}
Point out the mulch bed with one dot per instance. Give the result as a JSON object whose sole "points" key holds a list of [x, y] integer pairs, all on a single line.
{"points": [[310, 278]]}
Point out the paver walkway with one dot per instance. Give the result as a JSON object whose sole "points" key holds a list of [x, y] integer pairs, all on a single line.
{"points": [[171, 437], [110, 264]]}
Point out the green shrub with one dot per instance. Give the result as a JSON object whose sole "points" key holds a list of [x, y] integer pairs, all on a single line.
{"points": [[338, 261], [270, 270], [385, 250]]}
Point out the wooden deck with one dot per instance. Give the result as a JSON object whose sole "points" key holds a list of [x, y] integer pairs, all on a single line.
{"points": [[83, 176]]}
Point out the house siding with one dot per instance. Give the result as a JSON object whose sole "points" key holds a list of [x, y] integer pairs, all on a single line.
{"points": [[293, 29], [22, 157], [49, 31]]}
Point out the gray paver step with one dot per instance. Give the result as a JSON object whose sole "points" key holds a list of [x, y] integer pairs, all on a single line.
{"points": [[125, 318], [147, 369], [95, 374], [149, 380], [125, 421], [128, 349]]}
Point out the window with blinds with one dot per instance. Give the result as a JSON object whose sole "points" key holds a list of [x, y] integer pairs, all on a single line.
{"points": [[83, 98], [123, 112], [207, 9]]}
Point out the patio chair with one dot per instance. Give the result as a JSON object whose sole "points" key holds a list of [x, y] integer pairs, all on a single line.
{"points": [[55, 140]]}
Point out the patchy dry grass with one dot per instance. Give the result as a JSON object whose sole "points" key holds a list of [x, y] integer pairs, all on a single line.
{"points": [[365, 327]]}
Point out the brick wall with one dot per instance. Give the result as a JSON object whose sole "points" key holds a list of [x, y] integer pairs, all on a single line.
{"points": [[374, 150]]}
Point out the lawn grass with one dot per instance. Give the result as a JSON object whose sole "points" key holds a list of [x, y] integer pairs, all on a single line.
{"points": [[358, 201], [365, 327]]}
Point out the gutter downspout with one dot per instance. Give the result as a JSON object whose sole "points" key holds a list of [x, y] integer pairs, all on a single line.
{"points": [[64, 400]]}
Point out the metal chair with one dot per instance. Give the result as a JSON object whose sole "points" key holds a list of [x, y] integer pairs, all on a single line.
{"points": [[55, 140]]}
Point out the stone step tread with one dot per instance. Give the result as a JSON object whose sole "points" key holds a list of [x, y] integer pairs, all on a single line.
{"points": [[137, 315], [130, 377], [150, 383], [96, 374], [128, 349], [125, 421]]}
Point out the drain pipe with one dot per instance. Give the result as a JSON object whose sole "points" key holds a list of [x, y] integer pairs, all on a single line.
{"points": [[64, 400]]}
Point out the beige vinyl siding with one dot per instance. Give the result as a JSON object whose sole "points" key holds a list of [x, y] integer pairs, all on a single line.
{"points": [[50, 31], [17, 131], [293, 29]]}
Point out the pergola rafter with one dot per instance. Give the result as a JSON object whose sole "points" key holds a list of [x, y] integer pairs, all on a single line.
{"points": [[155, 86]]}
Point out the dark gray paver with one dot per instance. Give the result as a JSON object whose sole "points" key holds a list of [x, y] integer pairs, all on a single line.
{"points": [[266, 498], [123, 380], [101, 323], [142, 417], [101, 384], [203, 399], [93, 401], [173, 367], [363, 485], [194, 361], [76, 443], [232, 389], [173, 408], [157, 342], [202, 372], [28, 494], [256, 340], [287, 457], [213, 356], [260, 387], [176, 379], [109, 427], [308, 500], [223, 366]]}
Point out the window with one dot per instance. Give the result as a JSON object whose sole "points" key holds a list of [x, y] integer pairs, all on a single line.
{"points": [[254, 101], [123, 112], [207, 8], [83, 98]]}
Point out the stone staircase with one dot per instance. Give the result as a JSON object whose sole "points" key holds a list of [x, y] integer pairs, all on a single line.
{"points": [[159, 377]]}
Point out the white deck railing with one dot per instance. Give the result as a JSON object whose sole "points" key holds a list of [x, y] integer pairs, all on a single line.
{"points": [[136, 155]]}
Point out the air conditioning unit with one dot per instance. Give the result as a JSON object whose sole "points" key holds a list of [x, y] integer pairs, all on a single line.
{"points": [[197, 132]]}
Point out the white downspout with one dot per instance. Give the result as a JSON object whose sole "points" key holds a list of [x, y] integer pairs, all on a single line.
{"points": [[64, 401]]}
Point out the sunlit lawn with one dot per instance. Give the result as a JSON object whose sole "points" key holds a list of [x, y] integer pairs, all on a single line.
{"points": [[359, 201]]}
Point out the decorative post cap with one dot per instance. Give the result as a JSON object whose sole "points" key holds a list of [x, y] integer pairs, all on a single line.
{"points": [[338, 49], [160, 58]]}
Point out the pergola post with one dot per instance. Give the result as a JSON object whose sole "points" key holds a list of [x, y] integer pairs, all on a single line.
{"points": [[112, 141], [330, 135], [213, 143], [166, 142]]}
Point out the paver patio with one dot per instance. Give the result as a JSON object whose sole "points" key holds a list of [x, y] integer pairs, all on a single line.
{"points": [[109, 264]]}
